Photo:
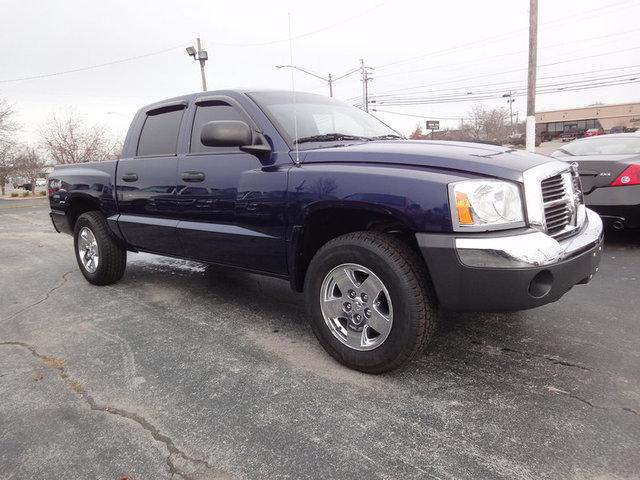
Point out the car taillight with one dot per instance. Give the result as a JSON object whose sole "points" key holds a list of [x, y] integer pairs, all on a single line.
{"points": [[630, 176]]}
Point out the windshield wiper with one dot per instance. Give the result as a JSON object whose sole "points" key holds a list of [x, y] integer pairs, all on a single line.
{"points": [[389, 136], [330, 137]]}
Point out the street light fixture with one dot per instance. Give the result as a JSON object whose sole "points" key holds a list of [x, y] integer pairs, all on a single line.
{"points": [[329, 79], [510, 102], [201, 56]]}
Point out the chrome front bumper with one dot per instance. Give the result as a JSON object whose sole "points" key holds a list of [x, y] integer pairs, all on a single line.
{"points": [[531, 249]]}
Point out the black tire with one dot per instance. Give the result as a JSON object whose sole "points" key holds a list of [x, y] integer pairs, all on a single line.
{"points": [[112, 257], [405, 277]]}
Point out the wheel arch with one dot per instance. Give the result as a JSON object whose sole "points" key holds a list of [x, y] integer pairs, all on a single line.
{"points": [[77, 205], [324, 222]]}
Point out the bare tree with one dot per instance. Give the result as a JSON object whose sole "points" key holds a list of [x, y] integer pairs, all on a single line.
{"points": [[495, 124], [69, 140], [31, 164], [417, 133], [7, 122], [7, 163], [7, 144], [483, 124], [473, 127]]}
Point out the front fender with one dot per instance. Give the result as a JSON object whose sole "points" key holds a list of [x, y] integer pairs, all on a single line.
{"points": [[417, 197]]}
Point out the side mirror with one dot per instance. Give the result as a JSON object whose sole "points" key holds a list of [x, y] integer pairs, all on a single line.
{"points": [[233, 133], [226, 133]]}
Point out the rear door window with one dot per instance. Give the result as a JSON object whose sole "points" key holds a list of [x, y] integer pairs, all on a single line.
{"points": [[159, 134]]}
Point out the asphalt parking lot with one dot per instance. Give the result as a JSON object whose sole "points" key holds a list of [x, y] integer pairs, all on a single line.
{"points": [[182, 371]]}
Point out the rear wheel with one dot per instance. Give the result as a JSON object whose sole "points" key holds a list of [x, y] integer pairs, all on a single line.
{"points": [[101, 260], [370, 301]]}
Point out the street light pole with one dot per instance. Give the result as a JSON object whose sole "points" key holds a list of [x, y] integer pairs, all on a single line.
{"points": [[329, 79], [201, 56], [510, 102], [202, 59]]}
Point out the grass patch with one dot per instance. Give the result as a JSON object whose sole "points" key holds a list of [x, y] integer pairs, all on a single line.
{"points": [[42, 193], [15, 194], [25, 194]]}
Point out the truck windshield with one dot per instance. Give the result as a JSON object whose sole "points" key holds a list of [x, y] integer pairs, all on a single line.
{"points": [[320, 119]]}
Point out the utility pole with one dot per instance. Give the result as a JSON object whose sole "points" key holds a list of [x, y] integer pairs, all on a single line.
{"points": [[366, 77], [531, 78], [202, 56], [330, 86]]}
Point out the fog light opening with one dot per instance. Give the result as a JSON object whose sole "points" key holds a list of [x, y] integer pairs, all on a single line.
{"points": [[541, 284]]}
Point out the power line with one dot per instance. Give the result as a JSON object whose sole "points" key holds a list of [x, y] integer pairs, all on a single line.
{"points": [[519, 52], [303, 35], [513, 71], [509, 34], [507, 85], [438, 117], [91, 67], [516, 92], [498, 94], [137, 57]]}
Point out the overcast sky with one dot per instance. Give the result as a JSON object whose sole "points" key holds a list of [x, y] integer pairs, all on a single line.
{"points": [[433, 47]]}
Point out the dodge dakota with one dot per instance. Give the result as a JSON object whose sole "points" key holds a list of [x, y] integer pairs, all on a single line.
{"points": [[379, 232]]}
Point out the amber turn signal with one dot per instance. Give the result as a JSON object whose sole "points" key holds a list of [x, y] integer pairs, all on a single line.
{"points": [[464, 209]]}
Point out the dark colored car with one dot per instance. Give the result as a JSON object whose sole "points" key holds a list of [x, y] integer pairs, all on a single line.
{"points": [[571, 135], [377, 231], [609, 167], [520, 139]]}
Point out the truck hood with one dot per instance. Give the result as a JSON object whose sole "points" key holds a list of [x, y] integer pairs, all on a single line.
{"points": [[478, 158]]}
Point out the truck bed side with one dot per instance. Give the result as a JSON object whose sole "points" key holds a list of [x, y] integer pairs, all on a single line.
{"points": [[74, 189]]}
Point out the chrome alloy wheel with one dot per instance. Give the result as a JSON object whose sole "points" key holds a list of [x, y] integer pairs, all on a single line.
{"points": [[356, 306], [88, 250]]}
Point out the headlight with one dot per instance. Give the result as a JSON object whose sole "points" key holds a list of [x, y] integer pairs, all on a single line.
{"points": [[485, 205]]}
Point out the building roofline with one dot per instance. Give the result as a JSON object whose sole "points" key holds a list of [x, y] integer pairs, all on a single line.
{"points": [[589, 106]]}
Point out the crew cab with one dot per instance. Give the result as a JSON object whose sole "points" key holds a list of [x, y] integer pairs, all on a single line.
{"points": [[379, 232]]}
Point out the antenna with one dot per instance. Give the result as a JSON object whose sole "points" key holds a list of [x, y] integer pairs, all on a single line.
{"points": [[293, 93]]}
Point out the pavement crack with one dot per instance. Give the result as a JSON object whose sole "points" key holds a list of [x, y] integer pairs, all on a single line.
{"points": [[589, 403], [62, 281], [57, 363], [551, 358]]}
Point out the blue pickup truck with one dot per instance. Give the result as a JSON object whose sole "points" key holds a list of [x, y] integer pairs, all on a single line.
{"points": [[378, 232]]}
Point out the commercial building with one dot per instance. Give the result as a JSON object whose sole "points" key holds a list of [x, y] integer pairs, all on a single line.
{"points": [[623, 116]]}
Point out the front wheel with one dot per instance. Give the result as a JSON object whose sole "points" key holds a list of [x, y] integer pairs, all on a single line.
{"points": [[370, 301], [101, 260]]}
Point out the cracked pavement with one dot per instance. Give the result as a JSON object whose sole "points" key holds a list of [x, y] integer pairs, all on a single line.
{"points": [[191, 372]]}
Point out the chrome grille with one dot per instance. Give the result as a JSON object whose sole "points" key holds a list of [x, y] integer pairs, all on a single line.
{"points": [[560, 195], [553, 197], [553, 188]]}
